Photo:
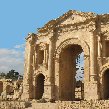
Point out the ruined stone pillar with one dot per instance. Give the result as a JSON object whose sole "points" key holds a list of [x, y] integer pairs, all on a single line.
{"points": [[99, 46], [34, 58], [104, 48], [92, 58], [28, 68], [50, 61], [26, 72], [50, 93], [44, 57], [91, 91]]}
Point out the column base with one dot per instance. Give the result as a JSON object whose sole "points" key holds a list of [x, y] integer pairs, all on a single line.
{"points": [[25, 96], [93, 78], [48, 92], [91, 91]]}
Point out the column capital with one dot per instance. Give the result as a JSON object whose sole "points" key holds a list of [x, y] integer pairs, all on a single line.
{"points": [[93, 78], [31, 38]]}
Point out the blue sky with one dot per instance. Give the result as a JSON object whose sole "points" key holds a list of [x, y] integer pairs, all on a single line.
{"points": [[19, 17]]}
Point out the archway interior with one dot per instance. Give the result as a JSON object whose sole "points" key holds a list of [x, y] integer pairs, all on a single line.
{"points": [[106, 84], [39, 86], [69, 64], [9, 90], [1, 87]]}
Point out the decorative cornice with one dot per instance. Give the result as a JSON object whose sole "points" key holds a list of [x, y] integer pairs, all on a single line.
{"points": [[30, 35], [53, 23], [56, 23]]}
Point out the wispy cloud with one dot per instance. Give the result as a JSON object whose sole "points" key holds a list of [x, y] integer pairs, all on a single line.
{"points": [[11, 59], [19, 46]]}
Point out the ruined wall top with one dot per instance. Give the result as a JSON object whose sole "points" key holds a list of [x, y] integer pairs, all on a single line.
{"points": [[55, 22], [70, 18]]}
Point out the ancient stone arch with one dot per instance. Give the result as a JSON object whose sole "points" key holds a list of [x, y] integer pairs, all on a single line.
{"points": [[103, 79], [1, 87], [106, 85], [71, 41], [39, 85], [74, 30], [85, 49], [103, 69]]}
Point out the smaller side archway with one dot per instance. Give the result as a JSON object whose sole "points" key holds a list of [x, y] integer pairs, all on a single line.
{"points": [[39, 91], [103, 74], [9, 89], [106, 85], [1, 87]]}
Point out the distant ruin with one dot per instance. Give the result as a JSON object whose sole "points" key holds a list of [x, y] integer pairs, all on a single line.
{"points": [[10, 90]]}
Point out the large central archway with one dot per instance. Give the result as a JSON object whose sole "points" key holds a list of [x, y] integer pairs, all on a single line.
{"points": [[70, 48], [67, 69]]}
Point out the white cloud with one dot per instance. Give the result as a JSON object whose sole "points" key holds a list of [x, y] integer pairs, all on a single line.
{"points": [[19, 46], [11, 59]]}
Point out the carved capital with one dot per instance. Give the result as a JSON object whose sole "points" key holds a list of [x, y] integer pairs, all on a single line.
{"points": [[42, 46], [31, 38]]}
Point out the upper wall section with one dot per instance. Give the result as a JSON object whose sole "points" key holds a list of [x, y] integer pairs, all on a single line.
{"points": [[71, 17], [76, 22], [104, 22]]}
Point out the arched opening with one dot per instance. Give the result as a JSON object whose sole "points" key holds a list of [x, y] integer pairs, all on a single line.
{"points": [[9, 89], [1, 87], [106, 84], [39, 86], [70, 72]]}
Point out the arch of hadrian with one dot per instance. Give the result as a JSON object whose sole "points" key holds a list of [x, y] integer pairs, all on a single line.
{"points": [[50, 58]]}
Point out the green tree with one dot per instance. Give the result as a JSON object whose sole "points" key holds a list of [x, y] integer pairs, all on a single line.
{"points": [[12, 75], [2, 75]]}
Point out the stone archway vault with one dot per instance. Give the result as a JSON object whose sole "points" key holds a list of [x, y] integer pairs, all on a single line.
{"points": [[102, 72], [86, 51], [39, 83]]}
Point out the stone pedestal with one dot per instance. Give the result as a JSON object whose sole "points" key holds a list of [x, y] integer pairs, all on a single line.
{"points": [[91, 92], [25, 95], [48, 92]]}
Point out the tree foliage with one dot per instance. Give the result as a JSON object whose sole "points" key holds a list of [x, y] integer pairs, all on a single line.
{"points": [[11, 75]]}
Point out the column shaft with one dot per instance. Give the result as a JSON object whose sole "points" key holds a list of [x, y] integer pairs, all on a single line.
{"points": [[92, 58], [99, 46], [50, 62], [51, 71]]}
